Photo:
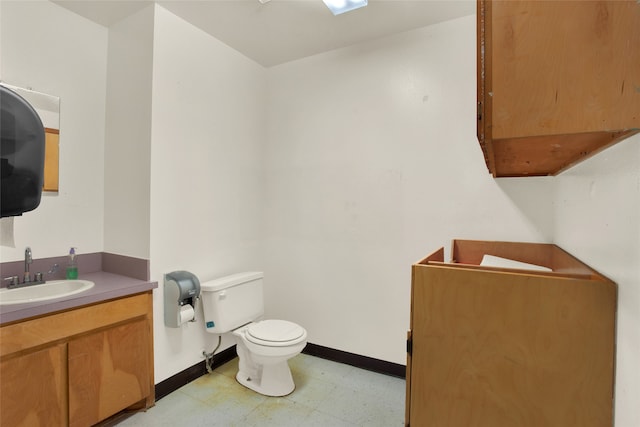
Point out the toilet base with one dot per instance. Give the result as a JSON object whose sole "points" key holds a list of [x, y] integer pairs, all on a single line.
{"points": [[273, 380]]}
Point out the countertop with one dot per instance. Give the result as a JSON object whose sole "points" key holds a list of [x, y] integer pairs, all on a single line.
{"points": [[107, 286]]}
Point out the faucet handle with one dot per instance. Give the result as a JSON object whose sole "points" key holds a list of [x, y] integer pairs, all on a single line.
{"points": [[54, 268], [13, 281]]}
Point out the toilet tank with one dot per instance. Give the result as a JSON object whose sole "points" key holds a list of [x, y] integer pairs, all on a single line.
{"points": [[232, 301]]}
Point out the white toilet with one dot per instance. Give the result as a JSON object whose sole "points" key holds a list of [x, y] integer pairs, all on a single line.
{"points": [[234, 304]]}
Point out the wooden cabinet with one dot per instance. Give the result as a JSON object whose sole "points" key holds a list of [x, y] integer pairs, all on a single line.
{"points": [[505, 347], [558, 81], [33, 388], [78, 367], [51, 159], [103, 379]]}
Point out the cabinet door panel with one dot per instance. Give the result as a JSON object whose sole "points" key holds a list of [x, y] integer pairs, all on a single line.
{"points": [[564, 67], [496, 349], [108, 372], [33, 388], [555, 82]]}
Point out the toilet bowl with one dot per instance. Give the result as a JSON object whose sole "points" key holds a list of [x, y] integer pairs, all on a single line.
{"points": [[235, 304], [263, 350]]}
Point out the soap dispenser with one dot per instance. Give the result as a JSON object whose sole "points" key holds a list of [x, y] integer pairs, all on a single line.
{"points": [[72, 267]]}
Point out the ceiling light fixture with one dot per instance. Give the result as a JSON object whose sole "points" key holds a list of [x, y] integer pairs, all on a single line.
{"points": [[341, 6]]}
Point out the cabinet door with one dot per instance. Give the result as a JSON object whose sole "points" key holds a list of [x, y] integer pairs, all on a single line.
{"points": [[108, 372], [495, 349], [33, 388], [564, 67], [555, 82]]}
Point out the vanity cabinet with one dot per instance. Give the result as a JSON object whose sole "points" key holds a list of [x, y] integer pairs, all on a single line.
{"points": [[103, 379], [493, 346], [558, 81], [78, 367], [33, 388]]}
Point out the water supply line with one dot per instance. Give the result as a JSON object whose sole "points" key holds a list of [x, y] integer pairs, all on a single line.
{"points": [[208, 357]]}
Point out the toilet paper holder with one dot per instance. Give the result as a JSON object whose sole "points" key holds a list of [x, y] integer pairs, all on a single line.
{"points": [[181, 290]]}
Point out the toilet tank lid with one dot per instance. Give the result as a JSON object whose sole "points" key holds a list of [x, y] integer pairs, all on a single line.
{"points": [[229, 281]]}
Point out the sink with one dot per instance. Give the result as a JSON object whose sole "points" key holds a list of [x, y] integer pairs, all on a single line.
{"points": [[46, 291]]}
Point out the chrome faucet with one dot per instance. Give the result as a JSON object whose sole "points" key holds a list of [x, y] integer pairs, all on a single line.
{"points": [[36, 279], [28, 259]]}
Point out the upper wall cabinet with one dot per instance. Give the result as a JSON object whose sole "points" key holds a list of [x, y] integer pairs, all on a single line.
{"points": [[558, 81]]}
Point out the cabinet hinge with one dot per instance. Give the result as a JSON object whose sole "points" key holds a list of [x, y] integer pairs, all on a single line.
{"points": [[409, 346], [479, 110]]}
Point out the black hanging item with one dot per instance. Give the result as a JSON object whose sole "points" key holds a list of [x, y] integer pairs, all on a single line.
{"points": [[22, 145]]}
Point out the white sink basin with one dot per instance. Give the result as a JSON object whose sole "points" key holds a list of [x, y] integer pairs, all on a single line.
{"points": [[46, 291]]}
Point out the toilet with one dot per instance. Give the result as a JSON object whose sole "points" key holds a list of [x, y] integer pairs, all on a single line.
{"points": [[235, 304]]}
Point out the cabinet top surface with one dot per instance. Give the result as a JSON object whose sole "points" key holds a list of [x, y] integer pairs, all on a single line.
{"points": [[468, 254], [107, 286]]}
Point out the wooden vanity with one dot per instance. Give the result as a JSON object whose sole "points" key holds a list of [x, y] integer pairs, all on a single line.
{"points": [[77, 361], [78, 367]]}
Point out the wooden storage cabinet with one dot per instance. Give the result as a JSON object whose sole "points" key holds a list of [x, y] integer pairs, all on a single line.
{"points": [[33, 388], [504, 347], [103, 379], [558, 81], [78, 367]]}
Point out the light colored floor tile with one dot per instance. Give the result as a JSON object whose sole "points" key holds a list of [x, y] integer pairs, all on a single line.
{"points": [[174, 409], [215, 388], [327, 394], [310, 391], [388, 389], [320, 419], [362, 408], [278, 412], [207, 386], [236, 401], [328, 371]]}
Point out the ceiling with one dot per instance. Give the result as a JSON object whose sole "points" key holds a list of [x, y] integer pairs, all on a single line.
{"points": [[284, 30]]}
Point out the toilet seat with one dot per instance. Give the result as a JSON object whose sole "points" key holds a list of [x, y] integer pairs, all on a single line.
{"points": [[275, 333]]}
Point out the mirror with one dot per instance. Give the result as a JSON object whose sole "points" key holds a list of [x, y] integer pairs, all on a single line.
{"points": [[48, 108]]}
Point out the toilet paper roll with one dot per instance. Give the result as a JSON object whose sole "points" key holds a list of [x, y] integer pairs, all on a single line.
{"points": [[186, 314]]}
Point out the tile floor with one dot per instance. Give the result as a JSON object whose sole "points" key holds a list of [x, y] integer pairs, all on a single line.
{"points": [[327, 394]]}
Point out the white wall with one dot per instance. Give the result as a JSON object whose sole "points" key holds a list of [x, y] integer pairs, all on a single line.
{"points": [[597, 211], [128, 135], [52, 50], [348, 166], [372, 163], [206, 172]]}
